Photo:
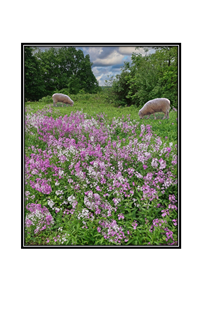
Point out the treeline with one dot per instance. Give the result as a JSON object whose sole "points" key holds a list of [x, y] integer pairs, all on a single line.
{"points": [[68, 71], [55, 69], [147, 77]]}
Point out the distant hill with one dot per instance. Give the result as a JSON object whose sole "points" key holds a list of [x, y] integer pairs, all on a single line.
{"points": [[105, 87]]}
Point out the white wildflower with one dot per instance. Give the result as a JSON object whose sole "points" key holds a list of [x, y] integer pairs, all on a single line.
{"points": [[71, 199], [61, 172], [50, 203], [58, 192]]}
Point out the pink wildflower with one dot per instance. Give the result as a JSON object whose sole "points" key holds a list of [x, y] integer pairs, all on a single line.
{"points": [[134, 224], [175, 222]]}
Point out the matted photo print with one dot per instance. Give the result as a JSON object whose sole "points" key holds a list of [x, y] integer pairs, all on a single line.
{"points": [[101, 145]]}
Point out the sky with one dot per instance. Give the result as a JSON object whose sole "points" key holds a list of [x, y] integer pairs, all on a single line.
{"points": [[108, 60]]}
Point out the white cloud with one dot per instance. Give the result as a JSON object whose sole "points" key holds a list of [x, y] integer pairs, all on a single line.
{"points": [[102, 74], [94, 52], [130, 50], [127, 50], [99, 77], [101, 70], [113, 58], [96, 71]]}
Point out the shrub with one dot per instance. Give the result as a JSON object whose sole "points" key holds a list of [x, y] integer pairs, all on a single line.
{"points": [[47, 99]]}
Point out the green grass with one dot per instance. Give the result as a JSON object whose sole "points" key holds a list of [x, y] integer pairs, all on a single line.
{"points": [[97, 103]]}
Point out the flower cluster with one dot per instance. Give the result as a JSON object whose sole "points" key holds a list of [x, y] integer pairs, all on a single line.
{"points": [[41, 185], [110, 230], [86, 165], [39, 217]]}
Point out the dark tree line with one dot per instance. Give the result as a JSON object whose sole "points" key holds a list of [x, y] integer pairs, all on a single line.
{"points": [[55, 69]]}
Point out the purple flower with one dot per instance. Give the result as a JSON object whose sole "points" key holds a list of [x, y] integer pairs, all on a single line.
{"points": [[95, 162], [120, 216], [38, 217], [134, 224], [162, 164], [175, 222]]}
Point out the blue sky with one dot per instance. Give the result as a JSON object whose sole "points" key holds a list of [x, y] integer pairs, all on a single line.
{"points": [[108, 60]]}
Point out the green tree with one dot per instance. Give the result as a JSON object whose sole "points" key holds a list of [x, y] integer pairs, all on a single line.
{"points": [[48, 62], [33, 82], [168, 79], [66, 67], [87, 80], [148, 77], [120, 86]]}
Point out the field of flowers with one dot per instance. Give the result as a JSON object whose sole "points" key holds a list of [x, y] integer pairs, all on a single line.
{"points": [[99, 180]]}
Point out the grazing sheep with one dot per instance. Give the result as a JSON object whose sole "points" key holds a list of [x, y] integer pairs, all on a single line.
{"points": [[60, 97], [155, 105]]}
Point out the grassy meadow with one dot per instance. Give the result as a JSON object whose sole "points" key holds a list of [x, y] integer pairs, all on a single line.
{"points": [[98, 175]]}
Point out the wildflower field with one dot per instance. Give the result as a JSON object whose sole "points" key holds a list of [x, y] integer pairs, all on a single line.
{"points": [[96, 175]]}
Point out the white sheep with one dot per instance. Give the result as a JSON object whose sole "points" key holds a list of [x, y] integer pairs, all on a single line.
{"points": [[60, 97], [155, 105]]}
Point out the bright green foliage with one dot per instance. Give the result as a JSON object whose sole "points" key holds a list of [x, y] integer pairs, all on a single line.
{"points": [[148, 77]]}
